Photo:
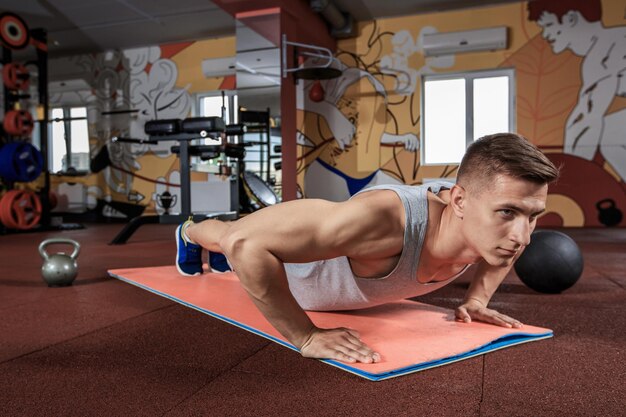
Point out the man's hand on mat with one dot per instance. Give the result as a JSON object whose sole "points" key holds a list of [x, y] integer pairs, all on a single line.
{"points": [[475, 310], [340, 344]]}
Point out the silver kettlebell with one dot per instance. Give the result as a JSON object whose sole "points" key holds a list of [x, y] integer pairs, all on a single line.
{"points": [[59, 270]]}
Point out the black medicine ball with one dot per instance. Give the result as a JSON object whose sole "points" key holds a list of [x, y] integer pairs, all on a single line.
{"points": [[551, 263]]}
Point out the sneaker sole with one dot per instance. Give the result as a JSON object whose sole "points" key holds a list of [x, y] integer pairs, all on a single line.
{"points": [[180, 271]]}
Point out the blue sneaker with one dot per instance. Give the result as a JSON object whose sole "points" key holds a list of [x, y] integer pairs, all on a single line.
{"points": [[218, 263], [188, 255]]}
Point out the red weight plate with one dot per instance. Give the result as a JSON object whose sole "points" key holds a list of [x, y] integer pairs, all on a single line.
{"points": [[15, 76], [18, 123], [13, 31], [20, 210]]}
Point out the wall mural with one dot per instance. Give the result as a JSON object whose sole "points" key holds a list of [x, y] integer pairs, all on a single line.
{"points": [[128, 88], [362, 128], [592, 132]]}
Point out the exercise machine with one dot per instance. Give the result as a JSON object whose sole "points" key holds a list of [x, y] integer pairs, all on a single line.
{"points": [[183, 132]]}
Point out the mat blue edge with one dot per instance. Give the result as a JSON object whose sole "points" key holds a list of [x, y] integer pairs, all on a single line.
{"points": [[502, 342]]}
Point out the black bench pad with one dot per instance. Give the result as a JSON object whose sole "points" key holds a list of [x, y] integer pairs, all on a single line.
{"points": [[206, 124], [162, 127]]}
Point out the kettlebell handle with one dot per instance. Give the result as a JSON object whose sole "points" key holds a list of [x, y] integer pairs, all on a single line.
{"points": [[607, 203], [42, 246]]}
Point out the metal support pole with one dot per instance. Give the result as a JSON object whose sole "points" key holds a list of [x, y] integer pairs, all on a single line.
{"points": [[185, 178]]}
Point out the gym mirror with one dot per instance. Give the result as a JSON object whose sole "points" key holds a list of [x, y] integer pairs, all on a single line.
{"points": [[258, 90]]}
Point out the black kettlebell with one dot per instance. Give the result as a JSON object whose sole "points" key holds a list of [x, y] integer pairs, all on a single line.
{"points": [[59, 270], [608, 214]]}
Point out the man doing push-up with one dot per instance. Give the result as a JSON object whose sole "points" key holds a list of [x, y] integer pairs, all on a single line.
{"points": [[386, 243]]}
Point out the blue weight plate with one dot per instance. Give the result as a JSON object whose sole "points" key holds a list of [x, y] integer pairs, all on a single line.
{"points": [[20, 161], [30, 163]]}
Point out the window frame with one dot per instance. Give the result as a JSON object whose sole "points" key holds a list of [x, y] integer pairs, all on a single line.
{"points": [[469, 77]]}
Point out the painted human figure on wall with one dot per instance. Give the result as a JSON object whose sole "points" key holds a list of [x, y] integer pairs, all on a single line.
{"points": [[348, 121], [576, 25], [352, 134]]}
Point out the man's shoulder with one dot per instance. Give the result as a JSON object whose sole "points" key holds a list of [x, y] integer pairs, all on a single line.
{"points": [[608, 48]]}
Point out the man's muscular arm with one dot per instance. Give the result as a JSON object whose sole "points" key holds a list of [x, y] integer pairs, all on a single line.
{"points": [[584, 126], [343, 130], [304, 231]]}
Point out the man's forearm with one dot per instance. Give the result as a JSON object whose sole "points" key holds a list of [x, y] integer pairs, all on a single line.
{"points": [[264, 278], [283, 312], [485, 283]]}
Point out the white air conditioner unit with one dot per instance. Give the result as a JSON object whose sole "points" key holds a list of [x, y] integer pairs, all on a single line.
{"points": [[489, 39], [219, 67]]}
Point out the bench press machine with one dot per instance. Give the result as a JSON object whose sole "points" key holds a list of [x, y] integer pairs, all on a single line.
{"points": [[182, 131]]}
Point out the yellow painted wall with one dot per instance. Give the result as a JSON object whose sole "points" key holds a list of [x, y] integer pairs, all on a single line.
{"points": [[548, 85]]}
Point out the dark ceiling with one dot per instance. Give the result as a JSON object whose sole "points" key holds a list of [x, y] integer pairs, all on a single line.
{"points": [[81, 26]]}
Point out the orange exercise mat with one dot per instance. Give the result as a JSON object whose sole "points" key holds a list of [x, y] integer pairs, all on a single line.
{"points": [[410, 336]]}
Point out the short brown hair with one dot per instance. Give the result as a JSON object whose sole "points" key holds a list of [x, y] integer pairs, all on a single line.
{"points": [[504, 153]]}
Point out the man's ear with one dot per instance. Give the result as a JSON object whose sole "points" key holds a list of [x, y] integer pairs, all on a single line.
{"points": [[458, 197], [571, 18]]}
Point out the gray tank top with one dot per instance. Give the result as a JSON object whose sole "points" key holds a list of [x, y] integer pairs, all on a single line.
{"points": [[331, 285]]}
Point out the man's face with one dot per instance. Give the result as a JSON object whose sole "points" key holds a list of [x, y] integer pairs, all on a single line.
{"points": [[559, 35], [498, 221]]}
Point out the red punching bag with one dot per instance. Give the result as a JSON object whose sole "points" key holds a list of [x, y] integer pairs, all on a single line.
{"points": [[316, 93]]}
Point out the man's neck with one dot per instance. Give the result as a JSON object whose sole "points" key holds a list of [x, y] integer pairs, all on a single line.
{"points": [[445, 243], [590, 32]]}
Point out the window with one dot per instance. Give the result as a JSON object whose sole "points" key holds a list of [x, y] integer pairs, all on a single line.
{"points": [[69, 148], [460, 108], [218, 106]]}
